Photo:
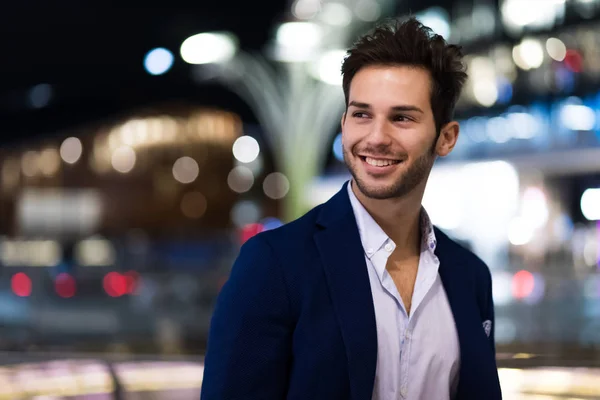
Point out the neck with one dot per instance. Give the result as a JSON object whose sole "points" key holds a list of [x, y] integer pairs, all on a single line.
{"points": [[399, 217]]}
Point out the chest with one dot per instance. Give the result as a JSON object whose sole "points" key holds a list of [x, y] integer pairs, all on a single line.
{"points": [[404, 275]]}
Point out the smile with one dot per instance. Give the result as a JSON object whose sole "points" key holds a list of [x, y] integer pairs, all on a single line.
{"points": [[379, 162]]}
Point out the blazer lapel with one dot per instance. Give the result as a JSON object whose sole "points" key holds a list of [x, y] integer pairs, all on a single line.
{"points": [[460, 292], [340, 247]]}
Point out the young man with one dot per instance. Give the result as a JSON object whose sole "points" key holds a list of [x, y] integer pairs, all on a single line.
{"points": [[362, 298]]}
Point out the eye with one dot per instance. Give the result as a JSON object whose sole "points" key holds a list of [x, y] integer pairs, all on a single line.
{"points": [[401, 118], [360, 114]]}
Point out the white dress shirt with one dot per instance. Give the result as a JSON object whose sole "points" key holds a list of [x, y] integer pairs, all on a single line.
{"points": [[418, 356]]}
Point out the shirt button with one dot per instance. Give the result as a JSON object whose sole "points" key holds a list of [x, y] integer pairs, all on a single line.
{"points": [[388, 247], [403, 392], [369, 251], [407, 335]]}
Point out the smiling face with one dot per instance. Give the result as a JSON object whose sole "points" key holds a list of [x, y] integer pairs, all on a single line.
{"points": [[389, 133]]}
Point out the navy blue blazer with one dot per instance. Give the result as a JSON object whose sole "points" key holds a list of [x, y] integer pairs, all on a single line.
{"points": [[296, 318]]}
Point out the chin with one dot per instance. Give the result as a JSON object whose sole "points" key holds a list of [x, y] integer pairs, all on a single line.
{"points": [[378, 190]]}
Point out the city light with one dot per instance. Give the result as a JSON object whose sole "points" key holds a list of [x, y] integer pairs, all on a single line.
{"points": [[297, 41], [158, 61], [523, 284], [246, 149], [207, 48], [556, 49], [529, 54], [305, 9], [123, 159], [65, 285], [578, 117], [240, 179], [337, 148], [116, 284], [185, 170], [70, 150], [520, 231], [20, 284], [328, 67], [276, 185], [590, 204], [336, 14]]}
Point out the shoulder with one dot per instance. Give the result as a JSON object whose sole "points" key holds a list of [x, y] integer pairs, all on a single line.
{"points": [[295, 232], [462, 256]]}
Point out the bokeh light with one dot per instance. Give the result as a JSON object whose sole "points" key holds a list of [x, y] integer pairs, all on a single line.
{"points": [[29, 164], [65, 285], [338, 150], [158, 61], [206, 48], [240, 179], [20, 284], [590, 204], [185, 170], [556, 49], [336, 14], [49, 162], [520, 231], [523, 284], [529, 54], [276, 185], [123, 159], [246, 149], [70, 150], [305, 9]]}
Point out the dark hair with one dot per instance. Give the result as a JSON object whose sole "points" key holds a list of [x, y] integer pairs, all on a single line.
{"points": [[413, 44]]}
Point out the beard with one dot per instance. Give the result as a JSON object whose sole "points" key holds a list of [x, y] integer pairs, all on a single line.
{"points": [[416, 173]]}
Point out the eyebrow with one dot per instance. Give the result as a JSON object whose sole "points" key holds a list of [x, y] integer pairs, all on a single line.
{"points": [[394, 108]]}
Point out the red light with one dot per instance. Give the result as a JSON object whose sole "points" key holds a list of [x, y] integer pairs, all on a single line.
{"points": [[250, 230], [65, 285], [574, 61], [522, 284], [21, 284], [131, 279], [115, 284]]}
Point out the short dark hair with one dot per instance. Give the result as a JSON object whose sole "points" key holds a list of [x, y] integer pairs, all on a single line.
{"points": [[412, 43]]}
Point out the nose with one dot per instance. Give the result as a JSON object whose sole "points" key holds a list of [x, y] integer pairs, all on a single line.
{"points": [[379, 134]]}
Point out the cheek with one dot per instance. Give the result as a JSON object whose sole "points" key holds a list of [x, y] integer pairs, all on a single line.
{"points": [[349, 139]]}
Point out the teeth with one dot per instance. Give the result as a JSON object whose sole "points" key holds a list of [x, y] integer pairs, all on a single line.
{"points": [[379, 163]]}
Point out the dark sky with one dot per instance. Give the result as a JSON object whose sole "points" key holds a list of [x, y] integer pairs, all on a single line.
{"points": [[91, 53]]}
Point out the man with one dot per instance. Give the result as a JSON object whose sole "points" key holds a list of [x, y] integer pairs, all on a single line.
{"points": [[362, 298]]}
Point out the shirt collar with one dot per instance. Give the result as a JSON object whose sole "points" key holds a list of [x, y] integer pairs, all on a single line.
{"points": [[373, 237]]}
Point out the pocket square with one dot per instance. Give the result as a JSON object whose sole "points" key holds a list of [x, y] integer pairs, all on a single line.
{"points": [[487, 327]]}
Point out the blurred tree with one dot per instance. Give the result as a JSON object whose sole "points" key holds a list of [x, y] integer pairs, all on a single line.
{"points": [[295, 88]]}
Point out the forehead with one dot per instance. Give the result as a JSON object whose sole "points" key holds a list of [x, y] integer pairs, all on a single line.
{"points": [[387, 86]]}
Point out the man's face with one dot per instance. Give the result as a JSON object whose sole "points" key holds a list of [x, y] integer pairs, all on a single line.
{"points": [[388, 130]]}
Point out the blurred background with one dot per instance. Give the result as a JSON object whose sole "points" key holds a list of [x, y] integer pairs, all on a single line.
{"points": [[140, 146]]}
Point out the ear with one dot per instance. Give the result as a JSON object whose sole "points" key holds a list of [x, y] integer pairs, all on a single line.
{"points": [[343, 120], [447, 139]]}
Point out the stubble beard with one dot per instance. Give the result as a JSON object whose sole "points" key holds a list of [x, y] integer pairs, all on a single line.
{"points": [[416, 173]]}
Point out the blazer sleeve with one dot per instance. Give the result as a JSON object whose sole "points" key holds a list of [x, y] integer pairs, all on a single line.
{"points": [[249, 344]]}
